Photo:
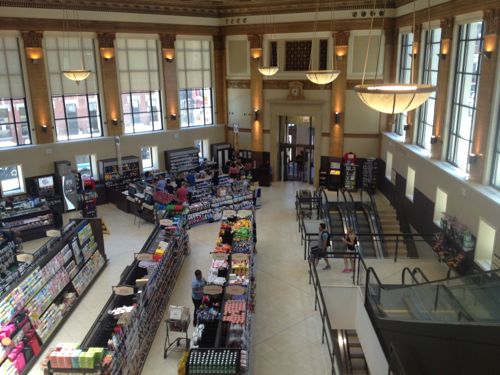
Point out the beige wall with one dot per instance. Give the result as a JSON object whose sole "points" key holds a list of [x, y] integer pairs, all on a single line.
{"points": [[39, 159], [467, 201]]}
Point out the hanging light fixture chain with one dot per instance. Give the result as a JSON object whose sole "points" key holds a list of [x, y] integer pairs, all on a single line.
{"points": [[380, 43], [428, 43], [332, 26], [369, 42]]}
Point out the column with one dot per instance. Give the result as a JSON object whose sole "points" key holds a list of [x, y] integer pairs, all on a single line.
{"points": [[107, 60], [220, 80], [37, 81], [172, 117], [485, 95], [416, 50], [256, 102], [442, 88], [339, 86]]}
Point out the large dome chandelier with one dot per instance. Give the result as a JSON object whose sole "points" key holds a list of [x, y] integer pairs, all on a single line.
{"points": [[268, 70], [392, 98], [322, 77], [75, 75]]}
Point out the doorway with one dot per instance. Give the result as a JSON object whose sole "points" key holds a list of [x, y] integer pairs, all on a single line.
{"points": [[296, 148]]}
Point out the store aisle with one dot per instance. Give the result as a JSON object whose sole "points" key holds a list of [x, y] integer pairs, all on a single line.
{"points": [[286, 337]]}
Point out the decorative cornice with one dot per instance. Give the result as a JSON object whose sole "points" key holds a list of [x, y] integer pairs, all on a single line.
{"points": [[167, 40], [492, 20], [341, 38], [32, 39], [200, 8], [238, 84], [106, 40], [446, 25]]}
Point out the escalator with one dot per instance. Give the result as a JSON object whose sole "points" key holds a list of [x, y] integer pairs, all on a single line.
{"points": [[338, 216], [438, 327]]}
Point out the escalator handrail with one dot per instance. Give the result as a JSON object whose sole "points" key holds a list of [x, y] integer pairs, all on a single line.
{"points": [[371, 271], [457, 302], [419, 271], [374, 213]]}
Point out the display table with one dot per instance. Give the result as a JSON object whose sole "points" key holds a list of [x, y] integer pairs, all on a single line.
{"points": [[222, 338], [45, 292], [31, 222]]}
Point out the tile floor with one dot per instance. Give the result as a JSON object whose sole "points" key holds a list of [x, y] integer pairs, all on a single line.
{"points": [[286, 337]]}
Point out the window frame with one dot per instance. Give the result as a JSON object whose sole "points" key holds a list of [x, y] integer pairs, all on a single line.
{"points": [[150, 112], [90, 161], [459, 75], [203, 107], [403, 67], [423, 138], [152, 158], [89, 117], [495, 167]]}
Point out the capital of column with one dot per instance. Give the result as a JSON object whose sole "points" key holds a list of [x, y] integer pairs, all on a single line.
{"points": [[32, 39], [446, 25], [106, 40], [167, 40]]}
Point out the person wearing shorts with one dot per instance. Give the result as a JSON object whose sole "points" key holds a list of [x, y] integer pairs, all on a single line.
{"points": [[351, 241]]}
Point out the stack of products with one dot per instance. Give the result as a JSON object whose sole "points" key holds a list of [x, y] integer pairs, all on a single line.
{"points": [[70, 356], [207, 362]]}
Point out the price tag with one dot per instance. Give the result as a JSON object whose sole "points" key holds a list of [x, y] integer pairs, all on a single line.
{"points": [[144, 256], [235, 290], [239, 257], [212, 290], [123, 290], [219, 256]]}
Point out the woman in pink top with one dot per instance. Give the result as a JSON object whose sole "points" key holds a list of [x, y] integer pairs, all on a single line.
{"points": [[181, 195]]}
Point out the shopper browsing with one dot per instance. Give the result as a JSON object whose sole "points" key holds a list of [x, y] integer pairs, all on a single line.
{"points": [[197, 292], [181, 195], [319, 251], [351, 241]]}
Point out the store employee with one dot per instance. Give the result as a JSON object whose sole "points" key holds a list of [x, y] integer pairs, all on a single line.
{"points": [[197, 291]]}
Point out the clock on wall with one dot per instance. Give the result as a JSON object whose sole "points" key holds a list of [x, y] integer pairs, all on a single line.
{"points": [[295, 90]]}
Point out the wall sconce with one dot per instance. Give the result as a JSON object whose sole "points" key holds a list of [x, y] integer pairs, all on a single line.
{"points": [[407, 127], [114, 121], [490, 42], [434, 139], [340, 52], [173, 116], [34, 54], [44, 127], [168, 54], [473, 158], [445, 48], [256, 53], [107, 53], [337, 117], [256, 115]]}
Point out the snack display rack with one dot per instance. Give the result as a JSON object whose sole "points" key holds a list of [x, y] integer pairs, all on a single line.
{"points": [[125, 326], [221, 340], [109, 172], [182, 160], [44, 294]]}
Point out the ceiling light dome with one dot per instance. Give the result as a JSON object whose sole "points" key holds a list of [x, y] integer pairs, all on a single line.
{"points": [[394, 98], [322, 77], [77, 75], [268, 70]]}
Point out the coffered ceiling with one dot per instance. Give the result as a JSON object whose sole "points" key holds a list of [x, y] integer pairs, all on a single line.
{"points": [[207, 8]]}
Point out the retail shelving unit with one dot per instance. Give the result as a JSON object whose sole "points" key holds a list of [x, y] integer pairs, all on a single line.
{"points": [[182, 160], [46, 291], [370, 173], [31, 221], [109, 172], [144, 290], [222, 346]]}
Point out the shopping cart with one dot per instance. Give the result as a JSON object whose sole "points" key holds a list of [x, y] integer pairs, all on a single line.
{"points": [[177, 321]]}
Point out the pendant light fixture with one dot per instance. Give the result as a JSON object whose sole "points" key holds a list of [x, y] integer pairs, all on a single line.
{"points": [[322, 77], [76, 75], [392, 98], [268, 70]]}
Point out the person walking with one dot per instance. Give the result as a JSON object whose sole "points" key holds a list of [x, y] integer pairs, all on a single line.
{"points": [[197, 292], [319, 251], [351, 241]]}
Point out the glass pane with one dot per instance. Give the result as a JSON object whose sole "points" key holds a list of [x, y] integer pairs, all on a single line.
{"points": [[184, 118], [465, 126], [61, 131], [82, 128], [208, 116], [146, 157], [462, 154], [23, 134], [128, 124], [193, 60], [9, 178], [6, 114], [7, 136], [183, 99], [126, 104]]}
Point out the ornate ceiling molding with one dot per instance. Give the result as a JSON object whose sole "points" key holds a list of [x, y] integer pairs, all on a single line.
{"points": [[199, 8], [492, 20]]}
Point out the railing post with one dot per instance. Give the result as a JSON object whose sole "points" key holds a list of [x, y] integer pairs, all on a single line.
{"points": [[437, 297], [397, 245]]}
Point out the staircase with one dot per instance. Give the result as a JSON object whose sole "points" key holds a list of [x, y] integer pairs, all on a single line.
{"points": [[390, 225], [356, 355]]}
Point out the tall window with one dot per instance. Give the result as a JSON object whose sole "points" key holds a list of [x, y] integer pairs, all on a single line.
{"points": [[149, 157], [404, 75], [464, 99], [11, 180], [77, 111], [139, 84], [495, 178], [14, 122], [194, 72], [432, 43]]}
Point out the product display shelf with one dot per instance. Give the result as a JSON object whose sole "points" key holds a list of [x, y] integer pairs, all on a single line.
{"points": [[37, 291], [32, 222], [144, 289], [182, 160], [233, 331], [109, 172], [350, 176]]}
